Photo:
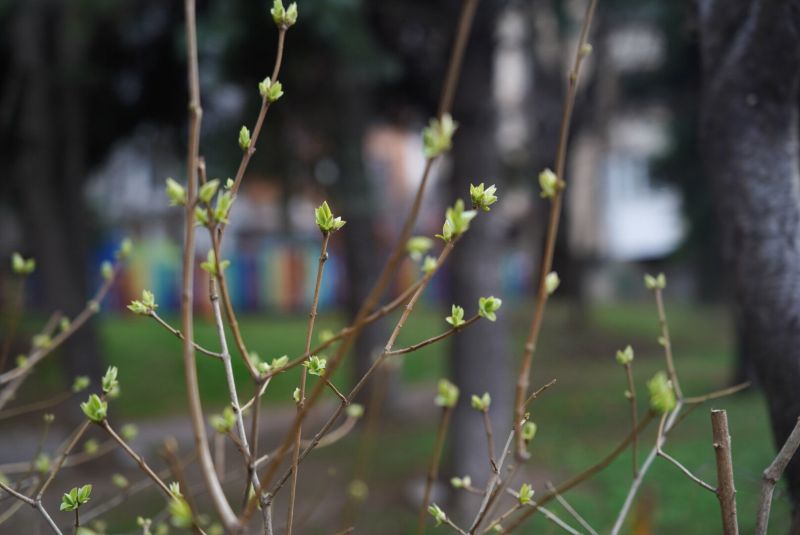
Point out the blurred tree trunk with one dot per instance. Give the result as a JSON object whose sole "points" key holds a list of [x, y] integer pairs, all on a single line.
{"points": [[480, 354], [48, 167], [751, 64]]}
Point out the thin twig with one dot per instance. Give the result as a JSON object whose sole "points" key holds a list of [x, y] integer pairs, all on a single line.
{"points": [[312, 316], [36, 406], [634, 416], [726, 490], [36, 504], [539, 392], [60, 462], [433, 339], [772, 475], [523, 378], [491, 485], [571, 510], [433, 467], [718, 394], [179, 335], [667, 343]]}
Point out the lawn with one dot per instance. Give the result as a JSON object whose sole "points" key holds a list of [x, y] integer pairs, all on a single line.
{"points": [[584, 416]]}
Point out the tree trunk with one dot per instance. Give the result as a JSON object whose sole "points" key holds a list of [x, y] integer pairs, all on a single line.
{"points": [[480, 354], [751, 64]]}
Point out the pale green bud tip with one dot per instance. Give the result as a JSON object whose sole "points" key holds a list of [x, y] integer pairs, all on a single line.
{"points": [[109, 382], [95, 408], [64, 324], [107, 270], [326, 335], [438, 515], [456, 317], [49, 418], [456, 221], [481, 403], [316, 365], [625, 356], [659, 282], [42, 463], [461, 482], [283, 17], [529, 431], [355, 410], [269, 90], [223, 423], [488, 306], [549, 183], [325, 220], [417, 246], [551, 282], [179, 512], [586, 49], [447, 394], [358, 490], [81, 383], [525, 494], [209, 189], [429, 265], [22, 266], [118, 480], [91, 446], [296, 395], [662, 395], [75, 498], [175, 193], [210, 264], [276, 364], [437, 137], [244, 138], [129, 431], [146, 305], [482, 198]]}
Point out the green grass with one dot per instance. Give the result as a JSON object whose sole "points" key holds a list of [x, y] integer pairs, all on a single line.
{"points": [[581, 419]]}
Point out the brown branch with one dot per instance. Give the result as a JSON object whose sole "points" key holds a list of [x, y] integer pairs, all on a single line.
{"points": [[206, 464], [539, 392], [312, 316], [571, 510], [434, 339], [36, 504], [36, 406], [772, 475], [433, 467], [523, 378], [138, 458], [60, 462], [491, 486], [665, 340], [718, 394], [634, 416], [726, 490]]}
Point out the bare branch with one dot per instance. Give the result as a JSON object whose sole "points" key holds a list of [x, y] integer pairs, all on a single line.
{"points": [[726, 490]]}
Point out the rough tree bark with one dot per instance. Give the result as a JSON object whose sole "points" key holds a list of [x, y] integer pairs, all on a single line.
{"points": [[751, 67]]}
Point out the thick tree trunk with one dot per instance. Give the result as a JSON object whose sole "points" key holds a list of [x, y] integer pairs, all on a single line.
{"points": [[751, 63], [480, 354]]}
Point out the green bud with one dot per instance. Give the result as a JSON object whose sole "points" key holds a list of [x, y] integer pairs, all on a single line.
{"points": [[223, 423], [180, 514], [210, 265], [118, 480], [229, 183], [41, 341], [447, 394], [200, 217], [658, 282], [625, 356], [80, 383], [125, 249], [296, 395], [437, 514], [325, 220], [586, 49], [529, 431], [223, 208], [21, 361], [64, 324], [107, 270], [95, 408], [175, 193], [22, 266], [270, 90], [284, 18], [549, 183], [551, 282], [175, 488], [129, 431], [461, 482], [315, 365], [456, 317], [418, 246], [244, 138], [355, 410], [109, 381], [488, 306], [525, 494], [662, 395], [358, 490], [326, 335], [429, 265], [42, 463], [209, 189], [481, 403], [48, 417], [75, 498], [91, 446], [482, 198], [437, 137], [456, 221]]}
